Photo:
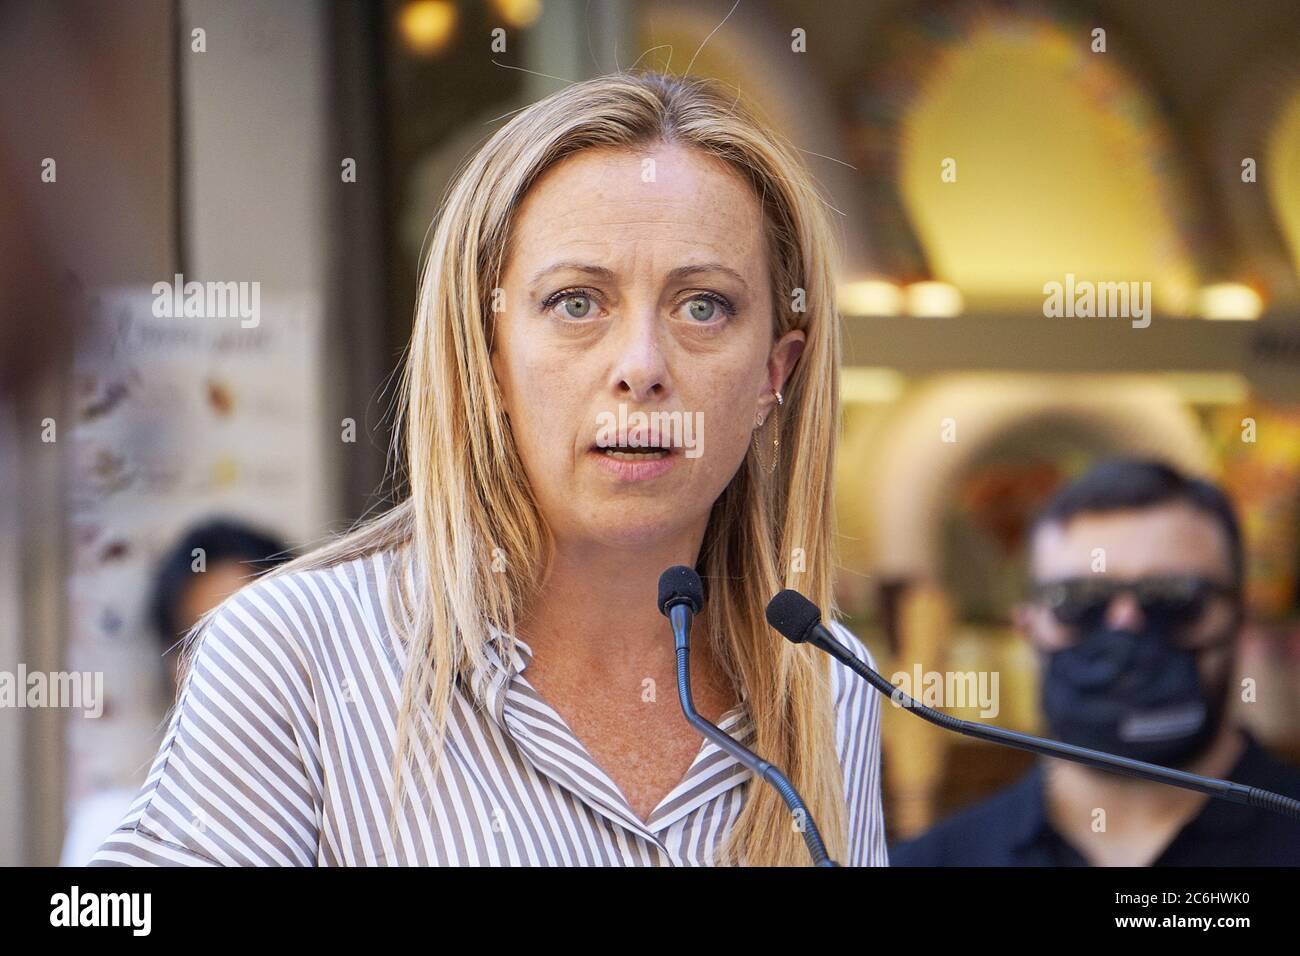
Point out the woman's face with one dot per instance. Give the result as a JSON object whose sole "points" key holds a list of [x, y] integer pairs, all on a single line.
{"points": [[636, 308]]}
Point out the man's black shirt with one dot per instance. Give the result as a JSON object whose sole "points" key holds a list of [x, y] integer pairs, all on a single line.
{"points": [[1011, 828]]}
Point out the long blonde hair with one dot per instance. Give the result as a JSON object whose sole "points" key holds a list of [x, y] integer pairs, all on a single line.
{"points": [[470, 532]]}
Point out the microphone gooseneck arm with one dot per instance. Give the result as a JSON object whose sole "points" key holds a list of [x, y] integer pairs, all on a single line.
{"points": [[680, 615], [820, 636]]}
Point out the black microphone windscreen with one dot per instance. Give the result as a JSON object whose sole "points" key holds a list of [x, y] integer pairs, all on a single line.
{"points": [[678, 585], [792, 615]]}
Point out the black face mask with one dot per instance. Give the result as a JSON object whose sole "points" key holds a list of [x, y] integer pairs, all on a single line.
{"points": [[1131, 694]]}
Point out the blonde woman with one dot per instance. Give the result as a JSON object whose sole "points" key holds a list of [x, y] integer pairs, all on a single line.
{"points": [[480, 676]]}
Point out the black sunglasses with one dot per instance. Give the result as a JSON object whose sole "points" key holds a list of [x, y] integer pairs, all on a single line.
{"points": [[1168, 602]]}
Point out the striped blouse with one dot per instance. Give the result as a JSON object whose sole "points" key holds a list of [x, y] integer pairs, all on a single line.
{"points": [[279, 753]]}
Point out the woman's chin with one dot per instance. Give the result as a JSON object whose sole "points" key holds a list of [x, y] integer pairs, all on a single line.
{"points": [[639, 524]]}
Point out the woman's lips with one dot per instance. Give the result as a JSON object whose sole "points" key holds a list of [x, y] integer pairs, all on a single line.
{"points": [[640, 468]]}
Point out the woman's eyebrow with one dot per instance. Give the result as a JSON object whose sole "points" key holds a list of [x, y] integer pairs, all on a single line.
{"points": [[600, 272], [597, 272], [688, 272]]}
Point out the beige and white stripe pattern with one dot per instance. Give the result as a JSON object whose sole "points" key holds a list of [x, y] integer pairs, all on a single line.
{"points": [[279, 754]]}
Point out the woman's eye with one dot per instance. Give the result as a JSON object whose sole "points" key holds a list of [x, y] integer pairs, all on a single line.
{"points": [[705, 308], [701, 310], [571, 305], [577, 306]]}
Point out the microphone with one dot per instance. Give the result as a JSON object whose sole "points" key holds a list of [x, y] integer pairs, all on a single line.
{"points": [[681, 595], [799, 621]]}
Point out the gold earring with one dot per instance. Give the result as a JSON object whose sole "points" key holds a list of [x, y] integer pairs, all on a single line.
{"points": [[776, 439]]}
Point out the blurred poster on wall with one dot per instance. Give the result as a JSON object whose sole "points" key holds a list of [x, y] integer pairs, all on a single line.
{"points": [[178, 418]]}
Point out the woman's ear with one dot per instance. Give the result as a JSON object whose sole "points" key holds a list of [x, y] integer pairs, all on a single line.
{"points": [[782, 360]]}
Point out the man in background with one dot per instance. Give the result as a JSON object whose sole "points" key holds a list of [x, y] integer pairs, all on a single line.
{"points": [[230, 554], [1136, 608]]}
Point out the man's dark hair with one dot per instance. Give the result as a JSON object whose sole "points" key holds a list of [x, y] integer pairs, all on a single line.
{"points": [[1123, 483], [221, 540]]}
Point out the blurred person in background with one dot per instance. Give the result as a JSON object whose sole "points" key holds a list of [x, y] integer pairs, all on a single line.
{"points": [[1136, 609], [234, 554], [209, 563]]}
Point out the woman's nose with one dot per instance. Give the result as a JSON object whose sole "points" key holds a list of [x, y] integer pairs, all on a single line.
{"points": [[640, 366]]}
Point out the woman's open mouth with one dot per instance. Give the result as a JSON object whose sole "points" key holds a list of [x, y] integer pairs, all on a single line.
{"points": [[635, 454], [633, 463]]}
